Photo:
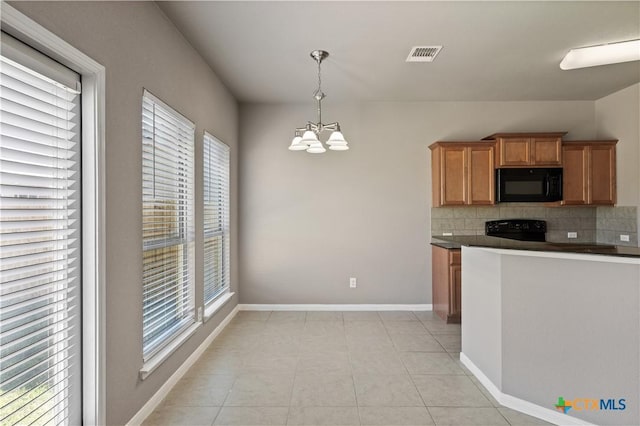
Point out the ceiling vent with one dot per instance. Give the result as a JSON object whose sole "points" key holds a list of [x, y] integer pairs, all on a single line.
{"points": [[423, 53]]}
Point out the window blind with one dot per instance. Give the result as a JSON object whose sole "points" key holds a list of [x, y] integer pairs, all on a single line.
{"points": [[216, 218], [167, 223], [40, 329]]}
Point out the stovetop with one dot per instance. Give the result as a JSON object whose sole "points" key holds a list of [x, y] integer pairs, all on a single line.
{"points": [[517, 229]]}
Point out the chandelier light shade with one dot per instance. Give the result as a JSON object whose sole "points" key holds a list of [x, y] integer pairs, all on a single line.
{"points": [[307, 138]]}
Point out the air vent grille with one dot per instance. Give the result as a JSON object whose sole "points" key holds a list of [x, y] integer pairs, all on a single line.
{"points": [[423, 53]]}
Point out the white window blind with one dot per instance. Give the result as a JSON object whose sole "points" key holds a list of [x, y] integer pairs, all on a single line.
{"points": [[40, 329], [167, 224], [216, 218]]}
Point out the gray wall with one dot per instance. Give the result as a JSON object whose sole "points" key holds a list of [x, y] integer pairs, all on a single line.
{"points": [[618, 117], [309, 222], [140, 48]]}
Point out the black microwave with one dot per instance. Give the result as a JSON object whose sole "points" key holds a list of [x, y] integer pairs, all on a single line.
{"points": [[528, 185]]}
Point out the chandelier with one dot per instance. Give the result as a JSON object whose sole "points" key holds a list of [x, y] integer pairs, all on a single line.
{"points": [[306, 138]]}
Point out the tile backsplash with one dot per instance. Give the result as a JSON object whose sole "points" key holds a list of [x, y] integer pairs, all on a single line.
{"points": [[592, 224]]}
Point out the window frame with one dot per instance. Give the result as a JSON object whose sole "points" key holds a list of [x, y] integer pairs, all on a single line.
{"points": [[219, 299], [171, 338], [92, 160]]}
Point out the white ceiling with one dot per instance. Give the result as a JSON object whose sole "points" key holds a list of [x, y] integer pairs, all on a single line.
{"points": [[502, 51]]}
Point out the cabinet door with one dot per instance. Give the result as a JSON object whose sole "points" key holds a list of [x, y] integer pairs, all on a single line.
{"points": [[576, 175], [453, 182], [546, 152], [481, 176], [603, 175], [455, 299], [440, 281], [514, 152]]}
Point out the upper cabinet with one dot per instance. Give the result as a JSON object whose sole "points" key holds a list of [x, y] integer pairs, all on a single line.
{"points": [[589, 172], [463, 173], [528, 149]]}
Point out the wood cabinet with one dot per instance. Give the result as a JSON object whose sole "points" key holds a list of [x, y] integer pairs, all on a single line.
{"points": [[589, 172], [528, 149], [446, 284], [463, 173]]}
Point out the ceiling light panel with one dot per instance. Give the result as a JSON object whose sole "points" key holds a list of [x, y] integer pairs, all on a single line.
{"points": [[604, 54]]}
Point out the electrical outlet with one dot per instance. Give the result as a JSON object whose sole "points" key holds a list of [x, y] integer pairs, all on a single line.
{"points": [[352, 282], [447, 234], [572, 235], [200, 313], [624, 238]]}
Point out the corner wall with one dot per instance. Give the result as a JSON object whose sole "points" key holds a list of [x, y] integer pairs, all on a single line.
{"points": [[310, 221], [618, 117], [141, 48]]}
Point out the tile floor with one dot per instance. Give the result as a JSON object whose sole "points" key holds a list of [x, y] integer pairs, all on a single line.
{"points": [[333, 368]]}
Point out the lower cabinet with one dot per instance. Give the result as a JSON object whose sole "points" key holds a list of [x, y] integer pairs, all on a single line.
{"points": [[446, 281]]}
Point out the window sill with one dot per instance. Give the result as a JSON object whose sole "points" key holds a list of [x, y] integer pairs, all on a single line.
{"points": [[214, 307], [155, 361]]}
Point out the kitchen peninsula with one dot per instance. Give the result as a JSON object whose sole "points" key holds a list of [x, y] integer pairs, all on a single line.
{"points": [[542, 321]]}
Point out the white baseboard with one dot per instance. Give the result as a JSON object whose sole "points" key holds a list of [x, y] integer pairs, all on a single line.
{"points": [[526, 407], [334, 307], [164, 390]]}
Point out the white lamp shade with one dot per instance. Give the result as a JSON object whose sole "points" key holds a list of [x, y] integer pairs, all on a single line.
{"points": [[336, 138], [296, 145], [309, 138], [341, 147], [316, 148]]}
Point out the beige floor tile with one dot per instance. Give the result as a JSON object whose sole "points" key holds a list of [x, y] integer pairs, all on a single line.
{"points": [[252, 416], [449, 391], [440, 327], [405, 327], [516, 418], [200, 391], [218, 361], [324, 316], [397, 416], [252, 316], [323, 328], [323, 390], [360, 316], [267, 363], [397, 316], [430, 363], [329, 343], [464, 416], [241, 341], [425, 315], [277, 345], [287, 316], [261, 390], [386, 390], [380, 363], [186, 416], [245, 326], [484, 391], [283, 328], [450, 342], [365, 329], [370, 344], [303, 416], [326, 362], [416, 343]]}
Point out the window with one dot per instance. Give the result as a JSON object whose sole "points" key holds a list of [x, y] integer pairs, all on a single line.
{"points": [[216, 218], [167, 224], [40, 235]]}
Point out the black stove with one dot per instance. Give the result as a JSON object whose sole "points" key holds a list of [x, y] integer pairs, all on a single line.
{"points": [[517, 229]]}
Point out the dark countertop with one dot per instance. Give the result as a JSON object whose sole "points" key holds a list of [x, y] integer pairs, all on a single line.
{"points": [[455, 242]]}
